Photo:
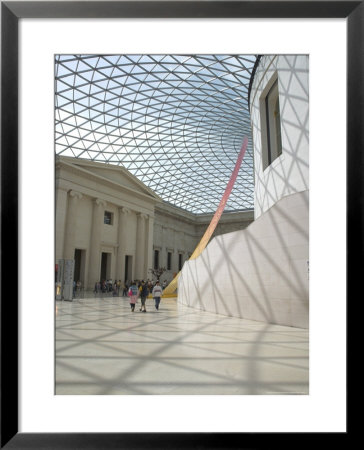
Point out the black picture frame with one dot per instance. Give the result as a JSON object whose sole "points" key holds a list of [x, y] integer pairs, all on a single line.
{"points": [[11, 13]]}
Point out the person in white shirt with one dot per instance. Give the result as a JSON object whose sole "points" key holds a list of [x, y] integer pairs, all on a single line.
{"points": [[156, 294]]}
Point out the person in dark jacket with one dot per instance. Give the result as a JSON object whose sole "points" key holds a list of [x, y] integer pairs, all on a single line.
{"points": [[143, 295]]}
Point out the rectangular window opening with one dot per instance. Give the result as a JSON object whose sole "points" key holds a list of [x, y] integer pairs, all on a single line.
{"points": [[108, 218], [271, 125]]}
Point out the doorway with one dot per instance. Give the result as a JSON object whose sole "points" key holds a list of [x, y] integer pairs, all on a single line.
{"points": [[128, 268], [79, 271], [105, 266]]}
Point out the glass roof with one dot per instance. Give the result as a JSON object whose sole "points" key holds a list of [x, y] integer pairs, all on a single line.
{"points": [[176, 122]]}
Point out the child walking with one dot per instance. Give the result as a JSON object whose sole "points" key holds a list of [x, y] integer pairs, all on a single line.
{"points": [[133, 295]]}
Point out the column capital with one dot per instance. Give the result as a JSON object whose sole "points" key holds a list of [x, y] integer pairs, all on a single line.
{"points": [[100, 202], [124, 210], [142, 216], [75, 194], [62, 188]]}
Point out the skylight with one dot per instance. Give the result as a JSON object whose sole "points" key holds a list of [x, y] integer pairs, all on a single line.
{"points": [[176, 122]]}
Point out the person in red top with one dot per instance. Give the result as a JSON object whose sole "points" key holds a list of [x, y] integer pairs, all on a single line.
{"points": [[156, 294]]}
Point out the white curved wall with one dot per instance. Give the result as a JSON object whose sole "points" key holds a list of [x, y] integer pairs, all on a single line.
{"points": [[260, 273], [287, 174]]}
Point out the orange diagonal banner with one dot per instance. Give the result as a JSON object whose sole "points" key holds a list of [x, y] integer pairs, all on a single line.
{"points": [[171, 288]]}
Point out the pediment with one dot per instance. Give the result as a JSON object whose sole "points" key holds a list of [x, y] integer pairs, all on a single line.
{"points": [[108, 172]]}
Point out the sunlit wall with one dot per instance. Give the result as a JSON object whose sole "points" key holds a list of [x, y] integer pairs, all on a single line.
{"points": [[262, 272], [287, 174]]}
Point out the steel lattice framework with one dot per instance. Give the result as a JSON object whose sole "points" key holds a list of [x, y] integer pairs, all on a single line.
{"points": [[176, 122]]}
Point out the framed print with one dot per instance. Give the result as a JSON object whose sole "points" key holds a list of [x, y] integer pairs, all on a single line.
{"points": [[16, 58]]}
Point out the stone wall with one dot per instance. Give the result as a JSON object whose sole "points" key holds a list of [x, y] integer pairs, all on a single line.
{"points": [[259, 273], [288, 173], [84, 192], [140, 223], [178, 232]]}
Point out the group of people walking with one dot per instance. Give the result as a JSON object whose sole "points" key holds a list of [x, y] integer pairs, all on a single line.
{"points": [[143, 291], [133, 290]]}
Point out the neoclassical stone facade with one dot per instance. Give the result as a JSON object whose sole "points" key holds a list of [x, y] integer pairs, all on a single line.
{"points": [[114, 227], [104, 221]]}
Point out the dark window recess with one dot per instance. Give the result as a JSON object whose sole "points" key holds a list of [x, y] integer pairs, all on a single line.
{"points": [[156, 259], [108, 216], [273, 119], [169, 261], [180, 261]]}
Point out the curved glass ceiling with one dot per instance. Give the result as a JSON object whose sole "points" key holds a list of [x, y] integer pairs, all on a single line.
{"points": [[176, 122]]}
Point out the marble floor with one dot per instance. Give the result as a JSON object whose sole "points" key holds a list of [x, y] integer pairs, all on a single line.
{"points": [[102, 348]]}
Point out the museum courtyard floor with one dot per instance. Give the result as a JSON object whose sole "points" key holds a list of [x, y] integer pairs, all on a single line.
{"points": [[102, 348]]}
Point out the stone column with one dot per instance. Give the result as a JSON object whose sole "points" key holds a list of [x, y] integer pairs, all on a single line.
{"points": [[95, 243], [149, 247], [122, 239], [71, 228], [61, 216], [140, 256]]}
